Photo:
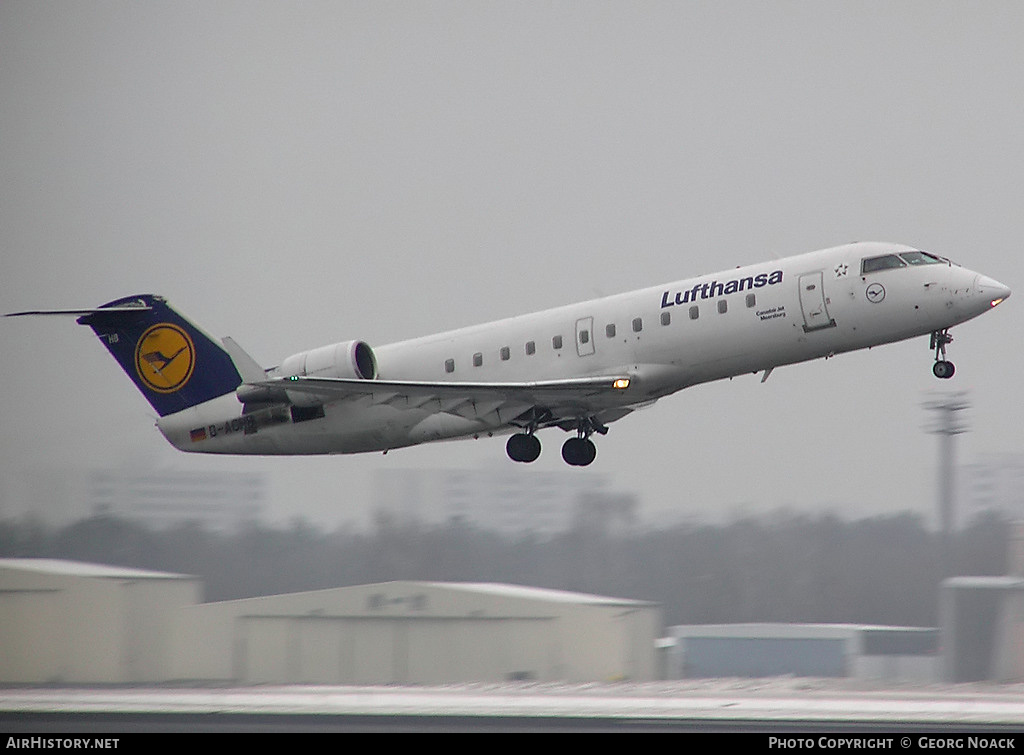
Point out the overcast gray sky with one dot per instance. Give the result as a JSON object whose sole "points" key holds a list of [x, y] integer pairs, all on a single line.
{"points": [[294, 174]]}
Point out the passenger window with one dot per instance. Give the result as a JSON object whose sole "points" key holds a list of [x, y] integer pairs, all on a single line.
{"points": [[885, 262], [638, 324], [751, 301], [694, 312], [609, 330], [504, 353], [531, 348], [584, 336], [666, 318], [723, 306], [556, 342], [449, 365], [478, 359]]}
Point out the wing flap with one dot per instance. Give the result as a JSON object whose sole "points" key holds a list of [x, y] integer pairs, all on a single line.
{"points": [[417, 392], [472, 399]]}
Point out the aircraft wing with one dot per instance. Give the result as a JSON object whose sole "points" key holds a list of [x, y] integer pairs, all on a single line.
{"points": [[563, 398]]}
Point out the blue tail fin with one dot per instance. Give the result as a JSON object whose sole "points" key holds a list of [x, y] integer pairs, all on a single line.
{"points": [[172, 362]]}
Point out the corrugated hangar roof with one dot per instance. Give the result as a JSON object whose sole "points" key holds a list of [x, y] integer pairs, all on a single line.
{"points": [[1009, 582], [782, 630], [468, 589], [80, 569], [538, 593]]}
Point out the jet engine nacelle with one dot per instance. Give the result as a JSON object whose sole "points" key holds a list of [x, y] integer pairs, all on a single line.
{"points": [[350, 359]]}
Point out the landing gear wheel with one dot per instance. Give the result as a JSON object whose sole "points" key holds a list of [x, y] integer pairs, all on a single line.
{"points": [[579, 452], [523, 447], [941, 368]]}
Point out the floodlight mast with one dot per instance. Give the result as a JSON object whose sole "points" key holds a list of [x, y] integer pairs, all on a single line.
{"points": [[948, 423]]}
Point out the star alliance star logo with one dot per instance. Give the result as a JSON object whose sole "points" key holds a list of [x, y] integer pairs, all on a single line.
{"points": [[841, 270]]}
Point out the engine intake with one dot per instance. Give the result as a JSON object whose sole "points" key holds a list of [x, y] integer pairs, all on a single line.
{"points": [[350, 359]]}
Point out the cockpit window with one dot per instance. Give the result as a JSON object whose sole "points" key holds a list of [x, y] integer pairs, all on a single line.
{"points": [[920, 258], [885, 262]]}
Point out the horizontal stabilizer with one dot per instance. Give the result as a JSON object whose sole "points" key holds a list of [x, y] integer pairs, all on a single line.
{"points": [[172, 363], [82, 312]]}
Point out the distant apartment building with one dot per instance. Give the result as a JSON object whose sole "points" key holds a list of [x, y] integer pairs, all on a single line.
{"points": [[996, 483], [218, 501], [509, 500]]}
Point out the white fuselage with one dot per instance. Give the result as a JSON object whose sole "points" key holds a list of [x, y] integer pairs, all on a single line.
{"points": [[666, 338]]}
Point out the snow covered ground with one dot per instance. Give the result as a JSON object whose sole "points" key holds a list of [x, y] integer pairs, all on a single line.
{"points": [[779, 699]]}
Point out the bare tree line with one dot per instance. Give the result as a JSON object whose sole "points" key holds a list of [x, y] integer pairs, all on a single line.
{"points": [[777, 567]]}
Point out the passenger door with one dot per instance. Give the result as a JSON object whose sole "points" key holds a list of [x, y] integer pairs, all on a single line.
{"points": [[813, 302]]}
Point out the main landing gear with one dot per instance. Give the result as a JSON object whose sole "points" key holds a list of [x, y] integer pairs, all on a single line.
{"points": [[942, 368], [523, 447], [578, 452]]}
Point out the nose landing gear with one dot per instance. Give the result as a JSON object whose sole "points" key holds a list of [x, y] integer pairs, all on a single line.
{"points": [[942, 368]]}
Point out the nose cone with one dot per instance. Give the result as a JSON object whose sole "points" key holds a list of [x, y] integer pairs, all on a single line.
{"points": [[991, 289]]}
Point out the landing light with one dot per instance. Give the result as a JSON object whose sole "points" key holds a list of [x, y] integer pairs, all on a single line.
{"points": [[621, 383], [994, 302]]}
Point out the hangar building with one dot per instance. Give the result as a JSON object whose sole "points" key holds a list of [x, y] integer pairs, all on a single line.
{"points": [[418, 633], [983, 621], [818, 650], [69, 622]]}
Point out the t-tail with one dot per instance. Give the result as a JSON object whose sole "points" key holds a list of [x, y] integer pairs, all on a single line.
{"points": [[174, 364]]}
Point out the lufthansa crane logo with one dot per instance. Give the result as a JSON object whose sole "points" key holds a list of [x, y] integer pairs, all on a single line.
{"points": [[164, 358], [875, 293]]}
